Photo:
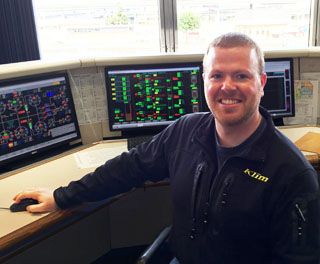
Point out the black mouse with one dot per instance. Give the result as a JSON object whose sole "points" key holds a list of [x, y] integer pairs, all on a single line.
{"points": [[22, 205]]}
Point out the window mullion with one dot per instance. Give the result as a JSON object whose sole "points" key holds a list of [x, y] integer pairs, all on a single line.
{"points": [[314, 30], [168, 25], [163, 42], [175, 26]]}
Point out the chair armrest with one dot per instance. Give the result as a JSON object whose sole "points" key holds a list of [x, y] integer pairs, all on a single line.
{"points": [[148, 253]]}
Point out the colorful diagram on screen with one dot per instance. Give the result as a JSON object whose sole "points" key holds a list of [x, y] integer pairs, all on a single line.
{"points": [[36, 113]]}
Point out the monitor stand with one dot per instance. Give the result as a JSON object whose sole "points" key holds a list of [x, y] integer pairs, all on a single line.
{"points": [[278, 121], [138, 136]]}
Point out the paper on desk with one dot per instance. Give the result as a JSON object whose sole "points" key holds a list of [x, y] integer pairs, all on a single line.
{"points": [[306, 103], [95, 158], [309, 142]]}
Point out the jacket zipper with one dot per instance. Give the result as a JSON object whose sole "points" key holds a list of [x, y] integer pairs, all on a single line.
{"points": [[195, 189], [220, 200], [300, 225]]}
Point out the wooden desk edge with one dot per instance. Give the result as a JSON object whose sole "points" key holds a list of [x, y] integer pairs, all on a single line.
{"points": [[313, 158], [16, 241], [296, 126]]}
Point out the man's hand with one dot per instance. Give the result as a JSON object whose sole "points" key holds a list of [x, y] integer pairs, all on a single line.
{"points": [[44, 197]]}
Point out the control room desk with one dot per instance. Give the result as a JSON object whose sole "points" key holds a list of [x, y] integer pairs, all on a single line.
{"points": [[19, 232], [17, 228], [295, 133]]}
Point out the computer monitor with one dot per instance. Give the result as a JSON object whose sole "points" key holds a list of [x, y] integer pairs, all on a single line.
{"points": [[37, 113], [146, 98], [278, 96]]}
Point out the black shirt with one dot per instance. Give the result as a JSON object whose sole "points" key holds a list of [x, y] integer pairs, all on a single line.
{"points": [[224, 153]]}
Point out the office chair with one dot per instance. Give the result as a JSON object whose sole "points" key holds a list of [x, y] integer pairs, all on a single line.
{"points": [[149, 253]]}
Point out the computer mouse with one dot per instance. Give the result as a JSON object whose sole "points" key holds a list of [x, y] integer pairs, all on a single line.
{"points": [[22, 205]]}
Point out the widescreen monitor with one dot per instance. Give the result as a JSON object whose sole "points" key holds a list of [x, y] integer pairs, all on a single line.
{"points": [[278, 96], [37, 113], [150, 97]]}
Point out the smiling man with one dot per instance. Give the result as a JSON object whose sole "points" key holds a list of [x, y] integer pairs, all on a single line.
{"points": [[242, 192], [234, 80]]}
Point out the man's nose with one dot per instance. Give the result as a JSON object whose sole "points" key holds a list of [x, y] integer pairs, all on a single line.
{"points": [[228, 84]]}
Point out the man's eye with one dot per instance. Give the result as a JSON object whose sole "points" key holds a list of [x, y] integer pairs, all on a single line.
{"points": [[215, 76], [242, 76]]}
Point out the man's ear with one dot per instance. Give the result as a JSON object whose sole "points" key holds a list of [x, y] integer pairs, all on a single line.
{"points": [[263, 83]]}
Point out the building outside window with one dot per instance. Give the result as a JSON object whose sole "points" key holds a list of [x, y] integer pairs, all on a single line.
{"points": [[84, 29], [103, 28], [273, 24]]}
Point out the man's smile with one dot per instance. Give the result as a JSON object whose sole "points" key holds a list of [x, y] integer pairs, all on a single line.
{"points": [[229, 101]]}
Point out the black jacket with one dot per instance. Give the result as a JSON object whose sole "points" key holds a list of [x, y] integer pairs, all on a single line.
{"points": [[263, 207]]}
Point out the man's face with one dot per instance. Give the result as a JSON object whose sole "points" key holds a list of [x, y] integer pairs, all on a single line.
{"points": [[233, 85]]}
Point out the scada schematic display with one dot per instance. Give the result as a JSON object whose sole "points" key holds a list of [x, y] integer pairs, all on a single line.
{"points": [[146, 96], [35, 114]]}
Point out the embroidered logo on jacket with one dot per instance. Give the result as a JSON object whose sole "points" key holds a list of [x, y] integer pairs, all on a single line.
{"points": [[256, 175]]}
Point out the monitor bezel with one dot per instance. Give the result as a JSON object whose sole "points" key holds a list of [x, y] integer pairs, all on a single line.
{"points": [[281, 115], [156, 128], [43, 152]]}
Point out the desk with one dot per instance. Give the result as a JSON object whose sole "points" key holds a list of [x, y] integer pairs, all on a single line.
{"points": [[53, 174], [104, 225], [295, 133], [16, 228]]}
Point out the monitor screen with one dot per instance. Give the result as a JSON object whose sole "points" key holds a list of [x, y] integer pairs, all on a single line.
{"points": [[152, 96], [278, 96], [36, 113]]}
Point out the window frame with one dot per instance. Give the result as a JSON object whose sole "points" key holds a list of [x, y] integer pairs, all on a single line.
{"points": [[314, 37]]}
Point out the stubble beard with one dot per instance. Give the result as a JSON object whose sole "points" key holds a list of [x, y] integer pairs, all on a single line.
{"points": [[237, 120]]}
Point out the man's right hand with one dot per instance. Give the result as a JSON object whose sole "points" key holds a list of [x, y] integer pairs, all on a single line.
{"points": [[44, 196]]}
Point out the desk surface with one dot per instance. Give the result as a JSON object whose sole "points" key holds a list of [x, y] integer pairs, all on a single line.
{"points": [[15, 227], [295, 133]]}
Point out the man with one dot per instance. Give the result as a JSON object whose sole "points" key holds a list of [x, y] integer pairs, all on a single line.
{"points": [[242, 192]]}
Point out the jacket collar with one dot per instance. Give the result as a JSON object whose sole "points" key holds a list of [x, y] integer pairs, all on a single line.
{"points": [[204, 135]]}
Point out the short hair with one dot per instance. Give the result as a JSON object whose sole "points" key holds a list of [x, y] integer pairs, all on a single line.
{"points": [[235, 39]]}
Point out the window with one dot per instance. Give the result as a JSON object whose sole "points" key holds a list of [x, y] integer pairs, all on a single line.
{"points": [[82, 28], [273, 24]]}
